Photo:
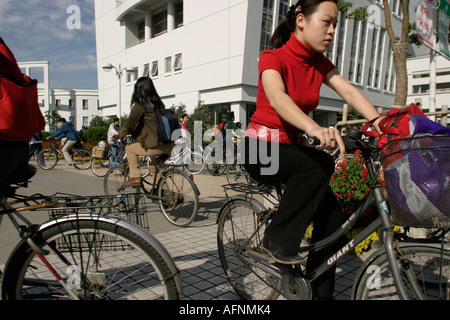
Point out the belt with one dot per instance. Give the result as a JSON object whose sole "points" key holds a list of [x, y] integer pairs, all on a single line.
{"points": [[259, 131]]}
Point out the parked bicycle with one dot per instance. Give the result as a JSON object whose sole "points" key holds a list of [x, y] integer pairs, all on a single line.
{"points": [[49, 157], [107, 158], [192, 161], [88, 250], [216, 164], [171, 188], [115, 156], [403, 268]]}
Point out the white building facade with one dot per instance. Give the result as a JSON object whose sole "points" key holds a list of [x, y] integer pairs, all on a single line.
{"points": [[207, 51], [78, 106], [419, 82]]}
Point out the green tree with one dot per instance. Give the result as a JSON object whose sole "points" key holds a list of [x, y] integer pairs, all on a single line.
{"points": [[98, 121], [52, 117], [204, 114]]}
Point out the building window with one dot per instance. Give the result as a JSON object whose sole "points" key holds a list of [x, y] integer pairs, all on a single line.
{"points": [[141, 31], [179, 14], [154, 72], [340, 43], [389, 71], [283, 10], [133, 76], [146, 70], [168, 65], [86, 121], [357, 51], [373, 53], [354, 50], [267, 23], [85, 104], [178, 64], [159, 23], [362, 53], [58, 104], [71, 107], [376, 55]]}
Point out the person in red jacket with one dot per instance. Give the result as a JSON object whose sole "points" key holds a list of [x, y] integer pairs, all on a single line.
{"points": [[20, 117], [291, 74]]}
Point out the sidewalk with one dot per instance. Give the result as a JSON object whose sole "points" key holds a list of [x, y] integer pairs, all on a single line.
{"points": [[194, 250]]}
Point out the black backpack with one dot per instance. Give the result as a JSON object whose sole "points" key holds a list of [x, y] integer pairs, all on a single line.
{"points": [[167, 123]]}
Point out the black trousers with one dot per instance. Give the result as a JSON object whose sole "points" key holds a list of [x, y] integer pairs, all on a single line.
{"points": [[13, 159], [307, 197]]}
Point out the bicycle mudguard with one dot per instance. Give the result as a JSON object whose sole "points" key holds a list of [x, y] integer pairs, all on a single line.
{"points": [[248, 199], [148, 237], [382, 251]]}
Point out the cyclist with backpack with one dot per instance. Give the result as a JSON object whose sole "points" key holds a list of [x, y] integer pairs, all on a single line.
{"points": [[142, 127]]}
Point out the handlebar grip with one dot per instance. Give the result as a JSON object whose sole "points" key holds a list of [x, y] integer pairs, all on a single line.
{"points": [[314, 141]]}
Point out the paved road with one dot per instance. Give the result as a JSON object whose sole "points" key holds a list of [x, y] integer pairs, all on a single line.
{"points": [[83, 182]]}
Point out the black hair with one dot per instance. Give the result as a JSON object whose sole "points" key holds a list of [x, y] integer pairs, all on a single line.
{"points": [[145, 92], [63, 120], [287, 26]]}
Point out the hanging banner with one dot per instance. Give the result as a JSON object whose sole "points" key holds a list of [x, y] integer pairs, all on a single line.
{"points": [[443, 36], [425, 22]]}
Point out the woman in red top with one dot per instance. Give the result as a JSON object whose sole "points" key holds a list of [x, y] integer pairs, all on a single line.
{"points": [[291, 74]]}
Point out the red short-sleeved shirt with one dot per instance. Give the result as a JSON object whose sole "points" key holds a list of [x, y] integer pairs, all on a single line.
{"points": [[303, 71]]}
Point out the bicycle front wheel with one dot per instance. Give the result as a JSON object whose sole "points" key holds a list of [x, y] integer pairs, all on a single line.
{"points": [[239, 242], [47, 158], [82, 159], [100, 166], [178, 198], [98, 260], [196, 165], [425, 272], [236, 173], [114, 179]]}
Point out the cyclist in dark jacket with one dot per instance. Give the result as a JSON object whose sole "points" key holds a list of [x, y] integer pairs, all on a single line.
{"points": [[69, 137]]}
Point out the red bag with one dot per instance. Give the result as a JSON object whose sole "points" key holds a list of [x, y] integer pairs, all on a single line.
{"points": [[20, 116], [395, 125]]}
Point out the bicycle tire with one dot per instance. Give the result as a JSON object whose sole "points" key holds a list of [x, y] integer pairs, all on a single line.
{"points": [[82, 159], [99, 168], [236, 173], [376, 281], [237, 222], [178, 198], [114, 179], [50, 158], [197, 163], [107, 260]]}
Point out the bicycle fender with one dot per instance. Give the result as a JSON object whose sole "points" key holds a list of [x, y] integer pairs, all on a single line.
{"points": [[148, 237], [382, 251], [245, 198]]}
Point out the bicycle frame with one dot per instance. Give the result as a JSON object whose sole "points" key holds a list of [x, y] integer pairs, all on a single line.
{"points": [[384, 220], [26, 232]]}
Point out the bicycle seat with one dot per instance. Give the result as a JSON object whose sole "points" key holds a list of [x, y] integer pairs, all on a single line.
{"points": [[161, 157]]}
